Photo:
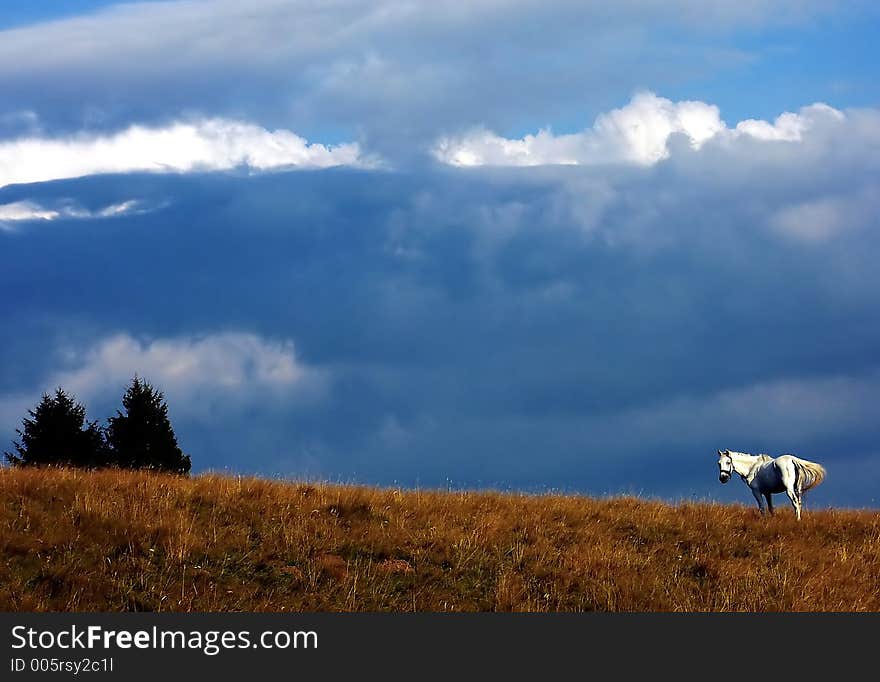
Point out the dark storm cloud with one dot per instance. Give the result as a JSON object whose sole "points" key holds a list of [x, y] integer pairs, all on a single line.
{"points": [[576, 328]]}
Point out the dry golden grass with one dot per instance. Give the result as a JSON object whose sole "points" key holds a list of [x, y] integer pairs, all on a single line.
{"points": [[113, 541]]}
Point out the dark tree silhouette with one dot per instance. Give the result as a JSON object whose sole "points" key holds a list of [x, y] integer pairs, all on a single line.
{"points": [[57, 434], [142, 437]]}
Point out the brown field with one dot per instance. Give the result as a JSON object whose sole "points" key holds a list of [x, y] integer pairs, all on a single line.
{"points": [[120, 541]]}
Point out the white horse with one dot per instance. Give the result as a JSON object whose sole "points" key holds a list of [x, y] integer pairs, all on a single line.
{"points": [[766, 476]]}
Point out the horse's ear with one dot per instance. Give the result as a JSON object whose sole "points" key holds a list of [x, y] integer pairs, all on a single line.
{"points": [[720, 453]]}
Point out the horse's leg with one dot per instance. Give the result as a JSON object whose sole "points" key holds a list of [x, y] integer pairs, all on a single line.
{"points": [[769, 498], [795, 501], [789, 480], [759, 500], [799, 493]]}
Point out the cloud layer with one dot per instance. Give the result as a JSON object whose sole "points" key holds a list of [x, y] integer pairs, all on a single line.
{"points": [[549, 326], [224, 362], [640, 133], [26, 211], [393, 73], [205, 145], [637, 133], [202, 376]]}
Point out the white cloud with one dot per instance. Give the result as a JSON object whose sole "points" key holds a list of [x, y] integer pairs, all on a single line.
{"points": [[29, 211], [638, 133], [199, 375], [205, 145], [788, 126], [224, 362], [21, 211]]}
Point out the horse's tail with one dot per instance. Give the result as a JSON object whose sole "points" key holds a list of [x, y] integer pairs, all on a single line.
{"points": [[813, 474]]}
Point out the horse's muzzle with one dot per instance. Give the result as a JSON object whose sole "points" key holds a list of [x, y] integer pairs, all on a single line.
{"points": [[724, 478]]}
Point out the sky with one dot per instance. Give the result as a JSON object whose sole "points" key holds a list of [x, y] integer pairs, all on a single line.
{"points": [[529, 246]]}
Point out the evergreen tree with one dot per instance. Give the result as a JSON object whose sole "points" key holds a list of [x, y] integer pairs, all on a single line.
{"points": [[142, 437], [57, 434]]}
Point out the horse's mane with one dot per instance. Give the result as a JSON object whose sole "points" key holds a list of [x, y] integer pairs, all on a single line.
{"points": [[758, 458]]}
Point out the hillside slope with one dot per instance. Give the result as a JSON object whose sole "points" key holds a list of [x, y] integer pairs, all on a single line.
{"points": [[113, 541]]}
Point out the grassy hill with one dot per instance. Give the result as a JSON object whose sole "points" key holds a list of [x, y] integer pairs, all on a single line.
{"points": [[114, 541]]}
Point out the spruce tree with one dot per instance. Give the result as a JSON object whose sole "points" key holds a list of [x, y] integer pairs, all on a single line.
{"points": [[142, 437], [57, 434]]}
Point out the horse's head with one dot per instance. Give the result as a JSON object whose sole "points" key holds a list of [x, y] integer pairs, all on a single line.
{"points": [[725, 465]]}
